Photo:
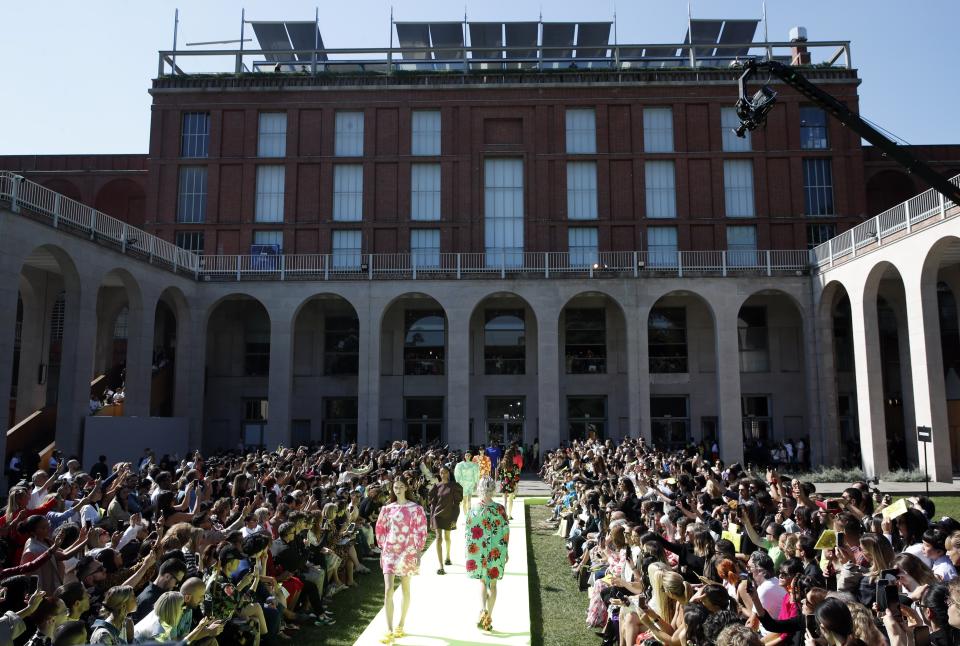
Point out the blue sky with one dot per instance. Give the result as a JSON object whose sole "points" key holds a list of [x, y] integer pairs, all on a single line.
{"points": [[76, 74]]}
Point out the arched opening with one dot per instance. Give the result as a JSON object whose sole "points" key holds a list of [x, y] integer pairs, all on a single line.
{"points": [[413, 382], [503, 371], [683, 367], [236, 406], [593, 368], [325, 367], [123, 199], [772, 380], [118, 310]]}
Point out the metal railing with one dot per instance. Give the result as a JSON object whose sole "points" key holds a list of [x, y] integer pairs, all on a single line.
{"points": [[32, 200], [464, 59], [895, 221], [61, 212]]}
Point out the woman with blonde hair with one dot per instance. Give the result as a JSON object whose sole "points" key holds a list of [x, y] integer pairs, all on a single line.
{"points": [[487, 542], [880, 555], [864, 626], [116, 627]]}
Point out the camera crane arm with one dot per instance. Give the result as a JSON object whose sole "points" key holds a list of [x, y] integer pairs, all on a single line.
{"points": [[753, 112]]}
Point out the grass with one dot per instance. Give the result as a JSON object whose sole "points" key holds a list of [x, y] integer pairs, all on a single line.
{"points": [[557, 607], [946, 506]]}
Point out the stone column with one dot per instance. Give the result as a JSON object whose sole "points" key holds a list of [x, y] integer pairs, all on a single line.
{"points": [[728, 382], [548, 377], [458, 377], [34, 340], [139, 378], [866, 356], [9, 288], [638, 373], [823, 444], [368, 377], [192, 366], [929, 393], [76, 366], [280, 386]]}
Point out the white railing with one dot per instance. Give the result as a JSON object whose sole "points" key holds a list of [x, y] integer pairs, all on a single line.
{"points": [[875, 231], [33, 200], [61, 212]]}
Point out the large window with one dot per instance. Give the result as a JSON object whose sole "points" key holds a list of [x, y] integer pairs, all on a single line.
{"points": [[270, 192], [586, 417], [582, 190], [818, 186], [662, 246], [347, 249], [348, 192], [581, 131], [503, 212], [742, 246], [504, 343], [582, 242], [339, 420], [425, 192], [423, 345], [505, 417], [192, 195], [586, 340], [257, 354], [667, 340], [661, 190], [348, 136], [190, 240], [729, 122], [670, 422], [757, 422], [426, 132], [752, 334], [272, 139], [195, 134], [813, 128], [819, 233], [425, 247], [267, 240], [424, 419], [738, 188], [340, 345], [658, 130], [255, 415]]}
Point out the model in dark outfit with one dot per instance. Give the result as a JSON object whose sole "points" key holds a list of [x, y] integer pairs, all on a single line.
{"points": [[445, 497]]}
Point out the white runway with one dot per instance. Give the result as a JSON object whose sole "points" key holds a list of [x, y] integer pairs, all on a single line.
{"points": [[444, 609]]}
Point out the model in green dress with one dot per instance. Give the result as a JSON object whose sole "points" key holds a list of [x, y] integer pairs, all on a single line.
{"points": [[487, 541], [467, 473]]}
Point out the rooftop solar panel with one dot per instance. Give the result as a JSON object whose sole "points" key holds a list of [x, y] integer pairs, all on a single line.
{"points": [[447, 40], [705, 32], [592, 39], [737, 31], [661, 56], [522, 39], [558, 34], [305, 35], [273, 35], [484, 38], [414, 35]]}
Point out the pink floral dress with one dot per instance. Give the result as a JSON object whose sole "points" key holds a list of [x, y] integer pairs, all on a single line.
{"points": [[401, 535]]}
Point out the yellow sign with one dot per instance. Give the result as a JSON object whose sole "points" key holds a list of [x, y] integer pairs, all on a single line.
{"points": [[898, 508], [732, 534], [827, 540]]}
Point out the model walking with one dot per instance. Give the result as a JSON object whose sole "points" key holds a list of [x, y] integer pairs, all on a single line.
{"points": [[401, 533], [467, 473], [509, 475], [445, 497], [487, 539]]}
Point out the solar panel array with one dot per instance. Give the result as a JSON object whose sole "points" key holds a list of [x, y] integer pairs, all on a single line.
{"points": [[517, 45]]}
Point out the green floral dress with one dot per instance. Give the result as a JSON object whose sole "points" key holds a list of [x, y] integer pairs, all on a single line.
{"points": [[487, 539]]}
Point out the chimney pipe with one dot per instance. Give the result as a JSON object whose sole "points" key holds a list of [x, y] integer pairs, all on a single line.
{"points": [[799, 54]]}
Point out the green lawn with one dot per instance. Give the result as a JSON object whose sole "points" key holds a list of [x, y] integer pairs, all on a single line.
{"points": [[557, 608], [947, 506]]}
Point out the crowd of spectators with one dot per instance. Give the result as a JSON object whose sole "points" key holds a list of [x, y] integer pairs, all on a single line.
{"points": [[678, 548], [234, 548]]}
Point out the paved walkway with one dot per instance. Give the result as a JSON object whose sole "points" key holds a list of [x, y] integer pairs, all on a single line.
{"points": [[444, 609]]}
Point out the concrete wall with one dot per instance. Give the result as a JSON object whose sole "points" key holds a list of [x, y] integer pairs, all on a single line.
{"points": [[124, 438]]}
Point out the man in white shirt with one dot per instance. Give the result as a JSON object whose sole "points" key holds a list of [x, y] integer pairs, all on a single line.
{"points": [[934, 549], [769, 590]]}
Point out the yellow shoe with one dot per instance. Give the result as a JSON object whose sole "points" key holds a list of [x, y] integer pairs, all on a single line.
{"points": [[398, 633], [387, 639]]}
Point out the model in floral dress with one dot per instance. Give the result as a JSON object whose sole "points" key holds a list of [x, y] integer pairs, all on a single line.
{"points": [[509, 475], [487, 540], [483, 462], [401, 533]]}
